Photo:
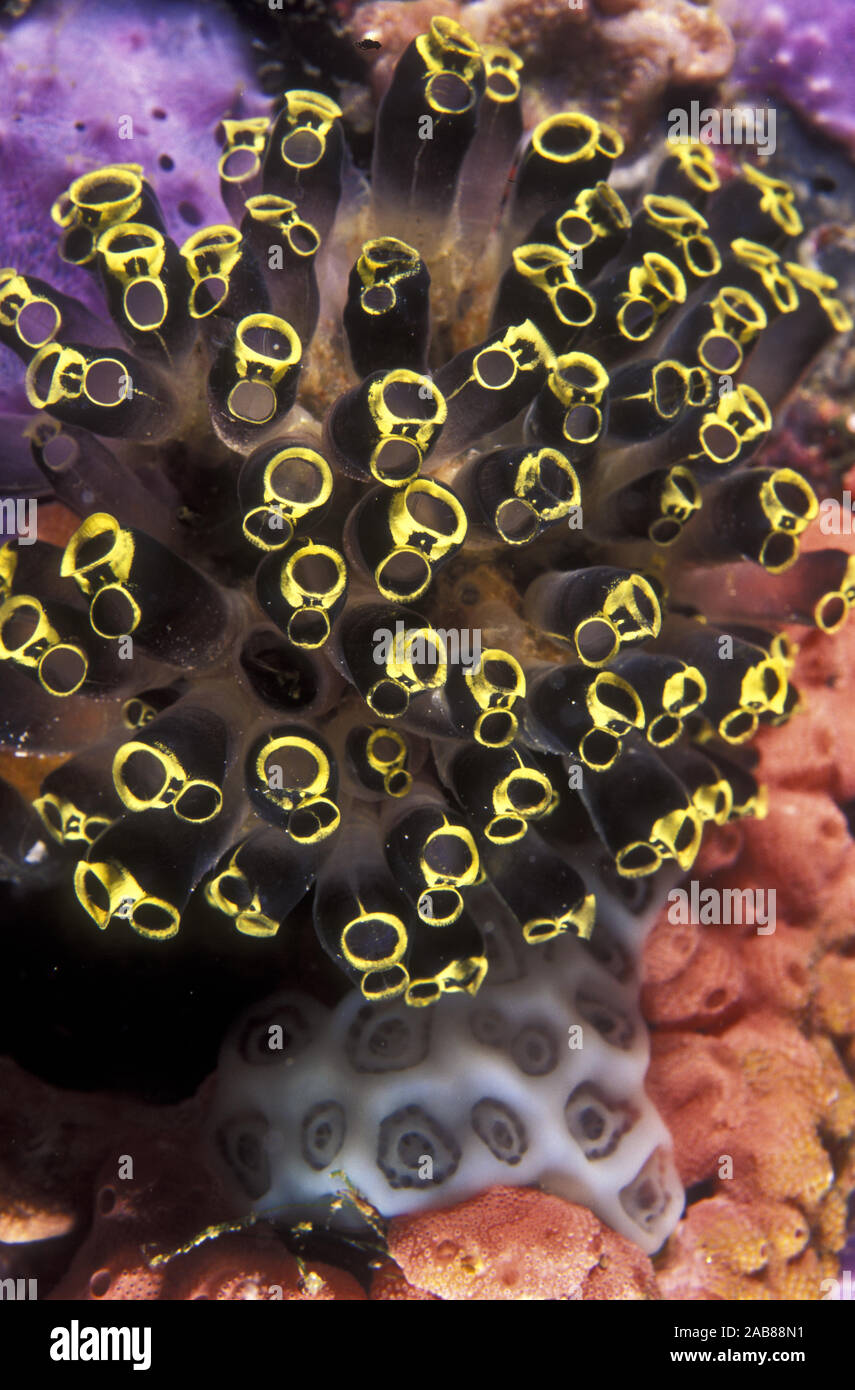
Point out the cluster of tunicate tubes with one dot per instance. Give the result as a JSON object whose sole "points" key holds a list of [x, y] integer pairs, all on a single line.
{"points": [[498, 613]]}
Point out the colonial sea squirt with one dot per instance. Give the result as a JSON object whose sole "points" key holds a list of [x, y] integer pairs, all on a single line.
{"points": [[301, 502]]}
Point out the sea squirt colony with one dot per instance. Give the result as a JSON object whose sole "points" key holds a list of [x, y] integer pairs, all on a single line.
{"points": [[471, 650]]}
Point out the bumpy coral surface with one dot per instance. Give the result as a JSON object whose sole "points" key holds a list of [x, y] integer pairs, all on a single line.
{"points": [[752, 1059], [425, 571], [509, 1244]]}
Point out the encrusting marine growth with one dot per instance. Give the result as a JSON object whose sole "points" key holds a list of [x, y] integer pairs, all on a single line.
{"points": [[471, 648]]}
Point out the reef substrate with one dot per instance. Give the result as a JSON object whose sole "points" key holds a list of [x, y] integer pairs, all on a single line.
{"points": [[427, 592]]}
